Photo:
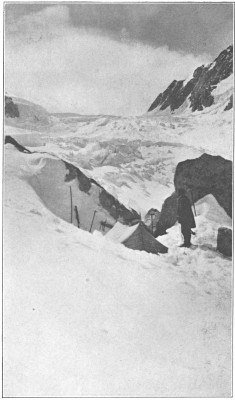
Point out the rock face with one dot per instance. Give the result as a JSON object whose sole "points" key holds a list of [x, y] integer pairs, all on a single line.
{"points": [[201, 176], [114, 208], [199, 89], [11, 140], [230, 104], [11, 109], [207, 175], [224, 241]]}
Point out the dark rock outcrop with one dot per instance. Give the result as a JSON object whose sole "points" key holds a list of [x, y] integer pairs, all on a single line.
{"points": [[207, 175], [117, 210], [230, 104], [11, 140], [199, 89], [224, 241], [11, 109], [201, 176]]}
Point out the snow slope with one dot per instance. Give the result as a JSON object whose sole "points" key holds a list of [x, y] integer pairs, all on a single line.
{"points": [[87, 317], [84, 316]]}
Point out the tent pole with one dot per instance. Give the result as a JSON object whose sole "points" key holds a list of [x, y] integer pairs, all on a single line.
{"points": [[77, 215], [92, 220], [152, 222], [71, 203]]}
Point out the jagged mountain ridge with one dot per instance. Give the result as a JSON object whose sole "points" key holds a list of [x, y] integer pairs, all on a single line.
{"points": [[198, 90]]}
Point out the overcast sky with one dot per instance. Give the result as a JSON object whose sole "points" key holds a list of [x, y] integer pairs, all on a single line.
{"points": [[108, 58]]}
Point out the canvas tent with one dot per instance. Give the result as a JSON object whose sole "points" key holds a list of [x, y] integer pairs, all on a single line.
{"points": [[136, 237]]}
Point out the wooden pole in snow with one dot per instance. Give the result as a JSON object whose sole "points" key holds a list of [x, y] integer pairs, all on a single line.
{"points": [[77, 216], [92, 220], [152, 221], [71, 202]]}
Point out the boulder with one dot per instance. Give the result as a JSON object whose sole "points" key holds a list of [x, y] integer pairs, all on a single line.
{"points": [[207, 175], [230, 104], [200, 176], [224, 241]]}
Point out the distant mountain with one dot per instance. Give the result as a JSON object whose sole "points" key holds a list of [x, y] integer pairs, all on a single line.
{"points": [[200, 92]]}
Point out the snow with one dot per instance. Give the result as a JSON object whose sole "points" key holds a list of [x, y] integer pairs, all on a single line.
{"points": [[224, 86], [46, 174], [87, 317], [209, 208], [212, 65]]}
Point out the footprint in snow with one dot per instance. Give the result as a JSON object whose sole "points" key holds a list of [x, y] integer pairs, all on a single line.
{"points": [[36, 212], [59, 230]]}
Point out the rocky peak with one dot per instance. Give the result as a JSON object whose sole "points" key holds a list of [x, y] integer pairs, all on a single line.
{"points": [[199, 89]]}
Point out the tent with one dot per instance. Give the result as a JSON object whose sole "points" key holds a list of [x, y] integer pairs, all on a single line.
{"points": [[136, 237]]}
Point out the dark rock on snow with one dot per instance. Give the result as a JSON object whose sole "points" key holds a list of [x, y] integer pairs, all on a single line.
{"points": [[230, 104], [224, 241], [11, 109], [207, 175], [11, 140]]}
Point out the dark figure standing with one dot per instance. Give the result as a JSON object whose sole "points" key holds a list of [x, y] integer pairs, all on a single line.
{"points": [[185, 217]]}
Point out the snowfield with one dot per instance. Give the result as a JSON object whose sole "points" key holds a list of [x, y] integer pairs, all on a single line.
{"points": [[85, 316]]}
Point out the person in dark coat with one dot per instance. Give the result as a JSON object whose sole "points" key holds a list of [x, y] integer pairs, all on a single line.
{"points": [[185, 217]]}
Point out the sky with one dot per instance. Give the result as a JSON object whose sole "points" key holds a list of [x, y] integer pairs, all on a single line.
{"points": [[108, 58]]}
